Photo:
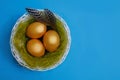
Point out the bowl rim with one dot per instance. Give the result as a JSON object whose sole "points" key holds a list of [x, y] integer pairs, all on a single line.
{"points": [[15, 53]]}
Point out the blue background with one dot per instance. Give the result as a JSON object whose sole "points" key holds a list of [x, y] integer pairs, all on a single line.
{"points": [[95, 32]]}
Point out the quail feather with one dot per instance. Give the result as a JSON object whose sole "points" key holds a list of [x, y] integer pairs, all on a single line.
{"points": [[46, 16]]}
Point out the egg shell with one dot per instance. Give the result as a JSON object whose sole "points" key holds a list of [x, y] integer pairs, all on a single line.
{"points": [[36, 30], [35, 48], [51, 40]]}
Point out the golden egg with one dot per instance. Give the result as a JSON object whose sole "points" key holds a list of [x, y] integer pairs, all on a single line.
{"points": [[36, 30], [35, 47], [51, 40]]}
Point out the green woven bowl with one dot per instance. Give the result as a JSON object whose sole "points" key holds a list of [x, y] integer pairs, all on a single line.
{"points": [[50, 60]]}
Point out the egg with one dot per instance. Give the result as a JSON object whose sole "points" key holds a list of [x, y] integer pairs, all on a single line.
{"points": [[51, 40], [35, 48], [36, 30]]}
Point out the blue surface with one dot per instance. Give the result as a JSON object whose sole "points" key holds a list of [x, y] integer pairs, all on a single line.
{"points": [[95, 31]]}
